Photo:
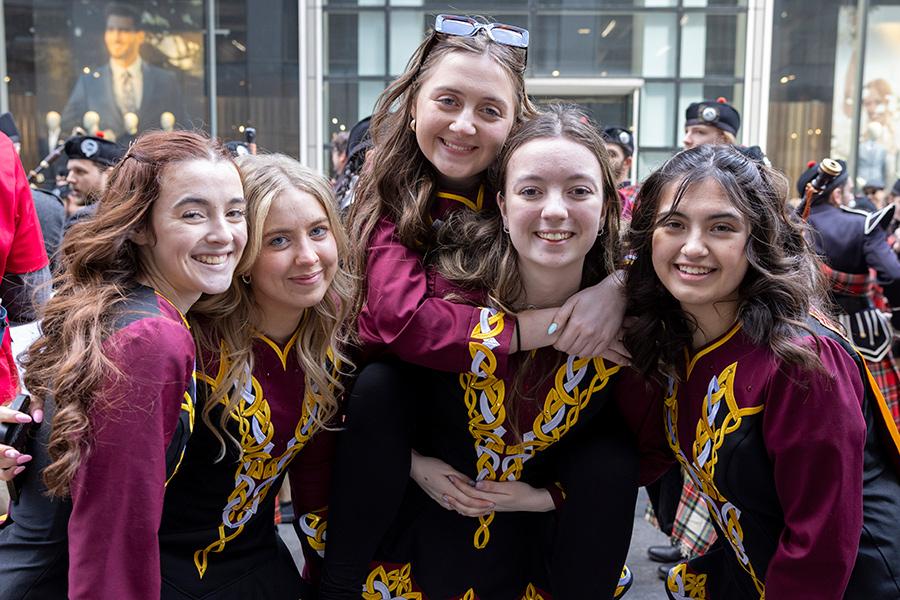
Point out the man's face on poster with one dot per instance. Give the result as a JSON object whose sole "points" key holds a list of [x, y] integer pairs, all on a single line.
{"points": [[123, 39]]}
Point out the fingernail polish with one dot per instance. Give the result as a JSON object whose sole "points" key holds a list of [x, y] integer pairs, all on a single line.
{"points": [[11, 453], [18, 470], [552, 329], [23, 418], [38, 416], [23, 458]]}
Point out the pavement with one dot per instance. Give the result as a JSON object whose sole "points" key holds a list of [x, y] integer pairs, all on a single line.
{"points": [[647, 586]]}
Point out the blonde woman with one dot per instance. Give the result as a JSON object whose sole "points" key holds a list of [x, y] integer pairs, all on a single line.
{"points": [[269, 349]]}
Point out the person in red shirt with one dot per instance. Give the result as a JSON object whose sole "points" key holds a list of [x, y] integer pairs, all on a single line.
{"points": [[23, 259]]}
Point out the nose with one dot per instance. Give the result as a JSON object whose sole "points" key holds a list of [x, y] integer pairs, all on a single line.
{"points": [[306, 253], [464, 123], [220, 230], [70, 178], [694, 246], [555, 208], [687, 142]]}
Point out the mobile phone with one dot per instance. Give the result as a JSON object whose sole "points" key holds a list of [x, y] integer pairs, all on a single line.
{"points": [[17, 435]]}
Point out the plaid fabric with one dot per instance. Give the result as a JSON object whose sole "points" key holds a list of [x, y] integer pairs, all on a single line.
{"points": [[887, 376], [851, 284], [693, 531]]}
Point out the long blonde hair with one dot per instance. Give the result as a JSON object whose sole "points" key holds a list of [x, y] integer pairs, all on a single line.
{"points": [[400, 180], [99, 266], [228, 322]]}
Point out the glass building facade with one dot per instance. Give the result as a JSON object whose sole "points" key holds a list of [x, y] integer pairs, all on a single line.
{"points": [[811, 79]]}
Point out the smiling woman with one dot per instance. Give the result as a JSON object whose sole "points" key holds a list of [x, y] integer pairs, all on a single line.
{"points": [[114, 372]]}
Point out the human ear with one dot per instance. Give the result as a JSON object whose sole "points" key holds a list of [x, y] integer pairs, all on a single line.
{"points": [[501, 204]]}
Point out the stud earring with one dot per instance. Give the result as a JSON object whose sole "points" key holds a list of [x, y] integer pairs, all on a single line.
{"points": [[412, 125]]}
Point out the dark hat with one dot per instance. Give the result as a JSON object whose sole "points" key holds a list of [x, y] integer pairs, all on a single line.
{"points": [[895, 191], [94, 149], [810, 173], [8, 126], [237, 148], [621, 137], [717, 113], [359, 138]]}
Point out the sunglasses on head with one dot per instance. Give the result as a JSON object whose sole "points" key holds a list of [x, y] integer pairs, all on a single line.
{"points": [[508, 35]]}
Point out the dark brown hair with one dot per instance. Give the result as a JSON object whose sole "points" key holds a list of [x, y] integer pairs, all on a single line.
{"points": [[99, 267], [783, 281]]}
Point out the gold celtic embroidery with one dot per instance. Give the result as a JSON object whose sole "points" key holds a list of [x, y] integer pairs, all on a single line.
{"points": [[684, 585], [259, 468], [390, 585], [484, 394], [187, 407], [477, 205], [313, 525], [531, 593], [707, 442]]}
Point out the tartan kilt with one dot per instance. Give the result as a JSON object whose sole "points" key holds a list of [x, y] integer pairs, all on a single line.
{"points": [[887, 376], [693, 530]]}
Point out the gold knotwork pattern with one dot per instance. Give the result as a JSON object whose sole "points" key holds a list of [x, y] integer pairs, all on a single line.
{"points": [[390, 585], [685, 585], [259, 468], [188, 407], [484, 395], [708, 440], [313, 525], [531, 593]]}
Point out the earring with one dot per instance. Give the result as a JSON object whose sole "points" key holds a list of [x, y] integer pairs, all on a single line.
{"points": [[246, 279], [505, 229], [412, 125]]}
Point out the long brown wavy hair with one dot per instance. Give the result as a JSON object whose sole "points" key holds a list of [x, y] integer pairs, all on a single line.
{"points": [[228, 322], [782, 284], [399, 180], [477, 254], [99, 267]]}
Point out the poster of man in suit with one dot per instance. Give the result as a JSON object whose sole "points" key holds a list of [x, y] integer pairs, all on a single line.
{"points": [[127, 89]]}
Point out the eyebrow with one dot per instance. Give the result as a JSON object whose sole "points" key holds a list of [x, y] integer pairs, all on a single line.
{"points": [[283, 230], [721, 215], [458, 92], [575, 177], [204, 201]]}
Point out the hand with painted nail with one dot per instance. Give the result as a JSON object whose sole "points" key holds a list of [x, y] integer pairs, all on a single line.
{"points": [[447, 486], [590, 322], [12, 462]]}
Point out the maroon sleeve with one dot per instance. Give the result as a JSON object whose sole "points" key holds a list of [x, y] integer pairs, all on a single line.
{"points": [[21, 230], [815, 433], [402, 318], [641, 404], [117, 493], [310, 476]]}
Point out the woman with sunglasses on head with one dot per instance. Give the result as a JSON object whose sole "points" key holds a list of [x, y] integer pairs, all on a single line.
{"points": [[436, 131], [267, 396], [555, 232], [773, 414], [114, 372]]}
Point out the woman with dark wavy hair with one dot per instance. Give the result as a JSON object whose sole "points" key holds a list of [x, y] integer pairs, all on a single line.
{"points": [[114, 372], [766, 406]]}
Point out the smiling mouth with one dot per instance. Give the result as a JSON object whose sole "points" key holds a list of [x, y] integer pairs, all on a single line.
{"points": [[554, 236], [211, 259], [311, 278], [694, 270], [457, 147]]}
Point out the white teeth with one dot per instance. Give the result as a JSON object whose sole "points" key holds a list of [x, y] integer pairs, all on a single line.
{"points": [[694, 270], [212, 259], [457, 146], [554, 236]]}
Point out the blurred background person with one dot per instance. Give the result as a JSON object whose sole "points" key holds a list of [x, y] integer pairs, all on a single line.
{"points": [[90, 158]]}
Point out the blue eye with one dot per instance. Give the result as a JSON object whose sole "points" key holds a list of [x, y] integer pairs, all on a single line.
{"points": [[319, 231], [278, 241]]}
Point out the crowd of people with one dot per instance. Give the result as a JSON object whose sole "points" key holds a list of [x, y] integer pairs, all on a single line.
{"points": [[466, 365]]}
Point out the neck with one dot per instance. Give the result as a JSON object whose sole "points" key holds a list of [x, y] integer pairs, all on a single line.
{"points": [[547, 287], [713, 321], [123, 63], [464, 187], [278, 328], [183, 302]]}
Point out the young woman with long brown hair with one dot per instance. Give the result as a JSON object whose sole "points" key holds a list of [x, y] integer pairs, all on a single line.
{"points": [[114, 372], [436, 130], [770, 411], [270, 355]]}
